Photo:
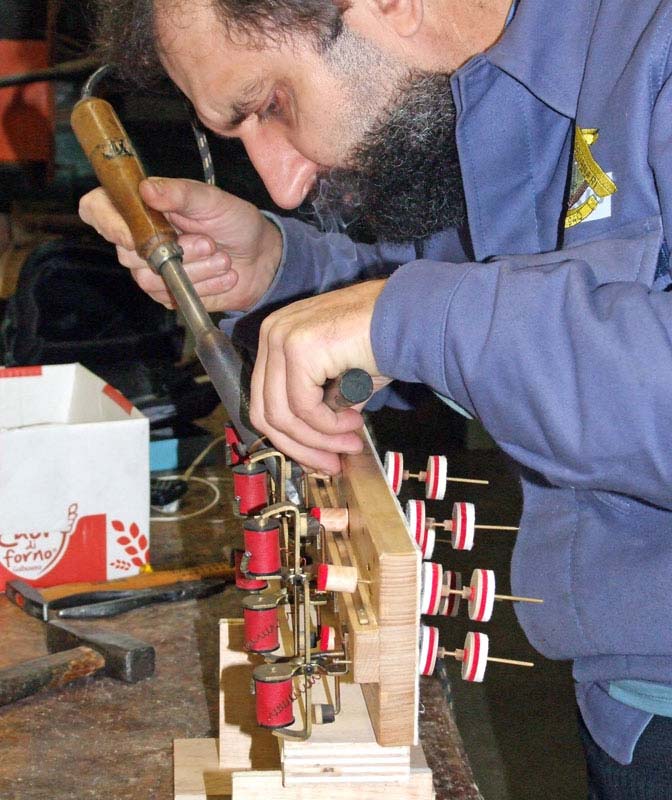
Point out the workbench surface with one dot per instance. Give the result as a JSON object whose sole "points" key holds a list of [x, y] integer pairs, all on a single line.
{"points": [[99, 738]]}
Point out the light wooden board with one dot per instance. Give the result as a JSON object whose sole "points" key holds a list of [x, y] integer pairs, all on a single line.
{"points": [[385, 555], [198, 777]]}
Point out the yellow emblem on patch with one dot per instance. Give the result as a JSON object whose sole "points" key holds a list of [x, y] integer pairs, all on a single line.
{"points": [[590, 183]]}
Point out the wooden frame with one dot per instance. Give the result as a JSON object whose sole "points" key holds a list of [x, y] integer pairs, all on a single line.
{"points": [[371, 749]]}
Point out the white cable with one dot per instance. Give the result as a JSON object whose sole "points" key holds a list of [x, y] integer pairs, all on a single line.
{"points": [[198, 512]]}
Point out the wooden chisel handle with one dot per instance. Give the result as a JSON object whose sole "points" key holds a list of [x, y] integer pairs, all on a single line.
{"points": [[146, 580], [118, 168], [48, 672]]}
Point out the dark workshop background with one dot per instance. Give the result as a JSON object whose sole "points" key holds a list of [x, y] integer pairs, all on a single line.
{"points": [[518, 727]]}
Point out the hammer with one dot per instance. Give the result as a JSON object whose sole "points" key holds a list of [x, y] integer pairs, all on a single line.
{"points": [[77, 652]]}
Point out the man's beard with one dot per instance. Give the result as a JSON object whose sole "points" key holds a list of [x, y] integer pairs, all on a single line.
{"points": [[405, 181]]}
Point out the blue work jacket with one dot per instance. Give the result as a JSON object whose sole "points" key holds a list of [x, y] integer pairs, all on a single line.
{"points": [[556, 330]]}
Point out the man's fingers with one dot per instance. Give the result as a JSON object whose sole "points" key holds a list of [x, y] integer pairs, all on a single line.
{"points": [[305, 401], [307, 456], [96, 209], [271, 415], [130, 259], [192, 200]]}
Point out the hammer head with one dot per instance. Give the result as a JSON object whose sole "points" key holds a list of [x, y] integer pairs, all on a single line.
{"points": [[126, 658]]}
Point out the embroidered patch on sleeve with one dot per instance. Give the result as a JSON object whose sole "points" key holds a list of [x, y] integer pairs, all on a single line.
{"points": [[591, 187]]}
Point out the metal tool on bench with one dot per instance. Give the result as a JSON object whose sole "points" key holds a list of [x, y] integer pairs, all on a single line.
{"points": [[107, 598], [119, 170], [77, 653]]}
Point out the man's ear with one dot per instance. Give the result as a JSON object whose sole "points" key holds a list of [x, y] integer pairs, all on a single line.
{"points": [[404, 16]]}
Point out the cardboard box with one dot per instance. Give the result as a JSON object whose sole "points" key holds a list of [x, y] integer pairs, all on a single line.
{"points": [[74, 478]]}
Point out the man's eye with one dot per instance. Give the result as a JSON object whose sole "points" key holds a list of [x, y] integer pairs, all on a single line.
{"points": [[272, 109]]}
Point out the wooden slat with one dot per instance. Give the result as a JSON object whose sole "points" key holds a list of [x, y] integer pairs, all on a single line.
{"points": [[386, 556]]}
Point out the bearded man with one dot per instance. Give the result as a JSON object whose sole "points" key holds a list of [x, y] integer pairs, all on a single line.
{"points": [[515, 163]]}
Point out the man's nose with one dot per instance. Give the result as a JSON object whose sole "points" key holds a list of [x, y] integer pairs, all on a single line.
{"points": [[287, 174]]}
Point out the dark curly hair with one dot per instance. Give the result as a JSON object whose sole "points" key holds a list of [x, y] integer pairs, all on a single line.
{"points": [[125, 28]]}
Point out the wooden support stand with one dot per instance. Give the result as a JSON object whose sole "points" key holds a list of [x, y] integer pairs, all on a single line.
{"points": [[371, 750]]}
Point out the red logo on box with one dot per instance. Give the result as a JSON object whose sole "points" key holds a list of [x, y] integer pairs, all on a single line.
{"points": [[84, 551]]}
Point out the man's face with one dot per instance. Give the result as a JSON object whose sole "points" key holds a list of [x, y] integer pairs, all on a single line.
{"points": [[354, 131]]}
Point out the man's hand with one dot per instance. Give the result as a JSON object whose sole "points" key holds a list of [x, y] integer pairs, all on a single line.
{"points": [[301, 346], [231, 251]]}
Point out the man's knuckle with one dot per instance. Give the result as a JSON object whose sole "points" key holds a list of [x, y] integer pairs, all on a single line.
{"points": [[143, 278], [256, 418], [274, 418]]}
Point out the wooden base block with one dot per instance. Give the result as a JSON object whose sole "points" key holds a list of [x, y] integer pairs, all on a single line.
{"points": [[198, 777]]}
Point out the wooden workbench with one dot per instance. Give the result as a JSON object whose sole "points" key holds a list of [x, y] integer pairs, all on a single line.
{"points": [[102, 739]]}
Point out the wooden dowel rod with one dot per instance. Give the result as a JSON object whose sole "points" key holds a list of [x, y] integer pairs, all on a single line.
{"points": [[511, 661], [466, 594], [458, 655], [447, 525], [468, 480], [496, 527], [518, 599]]}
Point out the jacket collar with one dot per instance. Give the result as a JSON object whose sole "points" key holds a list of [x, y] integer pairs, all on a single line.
{"points": [[545, 47]]}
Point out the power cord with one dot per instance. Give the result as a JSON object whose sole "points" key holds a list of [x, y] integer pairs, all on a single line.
{"points": [[187, 476]]}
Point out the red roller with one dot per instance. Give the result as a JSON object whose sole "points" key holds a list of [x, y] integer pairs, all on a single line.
{"points": [[274, 695], [262, 542], [260, 615], [250, 486], [247, 584]]}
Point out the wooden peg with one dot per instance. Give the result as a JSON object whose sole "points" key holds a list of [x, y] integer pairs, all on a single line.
{"points": [[331, 519], [337, 578]]}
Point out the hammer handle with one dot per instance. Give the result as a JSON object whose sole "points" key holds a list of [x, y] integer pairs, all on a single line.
{"points": [[118, 168], [217, 569], [48, 672]]}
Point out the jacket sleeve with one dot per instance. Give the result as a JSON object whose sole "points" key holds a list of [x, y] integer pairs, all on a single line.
{"points": [[570, 375], [315, 262]]}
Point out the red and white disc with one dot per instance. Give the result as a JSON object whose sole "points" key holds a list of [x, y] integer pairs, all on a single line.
{"points": [[425, 542], [429, 649], [435, 481], [430, 593], [475, 659], [463, 522], [327, 638], [482, 595], [420, 540], [394, 470], [430, 541], [450, 603], [417, 518]]}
